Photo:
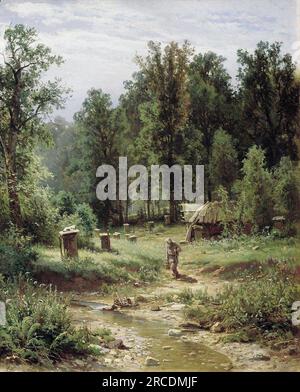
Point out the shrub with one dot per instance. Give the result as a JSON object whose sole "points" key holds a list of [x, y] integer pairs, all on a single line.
{"points": [[15, 261], [40, 217], [261, 306], [87, 218], [286, 192], [84, 220], [186, 296], [16, 255], [65, 202], [255, 190], [224, 163], [38, 327]]}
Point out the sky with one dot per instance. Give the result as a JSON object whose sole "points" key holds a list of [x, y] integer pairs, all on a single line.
{"points": [[99, 39]]}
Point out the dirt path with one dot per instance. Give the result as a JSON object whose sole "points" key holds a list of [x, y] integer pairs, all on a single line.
{"points": [[242, 356]]}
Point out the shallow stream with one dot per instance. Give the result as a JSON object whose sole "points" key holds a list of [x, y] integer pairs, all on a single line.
{"points": [[173, 353]]}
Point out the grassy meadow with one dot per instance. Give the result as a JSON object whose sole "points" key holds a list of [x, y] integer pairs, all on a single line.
{"points": [[143, 261]]}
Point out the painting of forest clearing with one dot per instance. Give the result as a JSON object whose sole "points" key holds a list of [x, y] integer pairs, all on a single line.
{"points": [[149, 196]]}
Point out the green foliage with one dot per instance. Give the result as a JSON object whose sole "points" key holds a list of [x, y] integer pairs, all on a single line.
{"points": [[40, 217], [127, 263], [59, 156], [186, 296], [16, 253], [25, 98], [4, 210], [270, 97], [136, 93], [224, 162], [259, 305], [86, 267], [212, 105], [87, 218], [14, 261], [255, 193], [228, 213], [166, 75], [65, 202], [101, 129], [84, 220], [38, 328], [286, 192]]}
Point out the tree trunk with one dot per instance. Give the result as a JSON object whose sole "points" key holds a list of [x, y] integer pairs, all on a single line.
{"points": [[172, 205], [106, 214], [120, 212], [208, 174], [126, 210], [13, 196], [158, 208], [148, 209]]}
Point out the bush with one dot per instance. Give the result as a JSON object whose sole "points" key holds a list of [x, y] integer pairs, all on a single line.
{"points": [[40, 217], [85, 221], [255, 202], [286, 192], [15, 261], [261, 306], [223, 166], [65, 202], [16, 255], [87, 218], [38, 328]]}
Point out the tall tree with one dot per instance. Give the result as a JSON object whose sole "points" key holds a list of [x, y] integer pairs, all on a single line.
{"points": [[224, 161], [100, 131], [212, 103], [270, 100], [136, 93], [255, 202], [25, 98], [58, 155], [166, 73], [285, 191]]}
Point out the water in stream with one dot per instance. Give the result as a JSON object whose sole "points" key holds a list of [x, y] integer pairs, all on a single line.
{"points": [[180, 356]]}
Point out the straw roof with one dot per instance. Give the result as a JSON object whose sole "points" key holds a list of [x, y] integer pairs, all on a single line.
{"points": [[210, 212]]}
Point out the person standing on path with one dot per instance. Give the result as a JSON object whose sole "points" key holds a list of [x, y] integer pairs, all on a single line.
{"points": [[172, 257]]}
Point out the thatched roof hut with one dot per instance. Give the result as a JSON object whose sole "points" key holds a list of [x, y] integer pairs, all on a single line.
{"points": [[210, 214]]}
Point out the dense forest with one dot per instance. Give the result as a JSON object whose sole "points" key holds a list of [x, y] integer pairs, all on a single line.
{"points": [[180, 107]]}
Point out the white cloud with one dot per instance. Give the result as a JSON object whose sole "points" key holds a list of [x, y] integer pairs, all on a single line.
{"points": [[99, 38]]}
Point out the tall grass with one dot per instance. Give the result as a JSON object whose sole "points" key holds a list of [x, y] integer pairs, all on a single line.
{"points": [[38, 327], [258, 306], [127, 262], [243, 249]]}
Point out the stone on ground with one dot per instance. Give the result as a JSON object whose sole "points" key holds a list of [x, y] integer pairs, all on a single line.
{"points": [[175, 332], [217, 328], [151, 361]]}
